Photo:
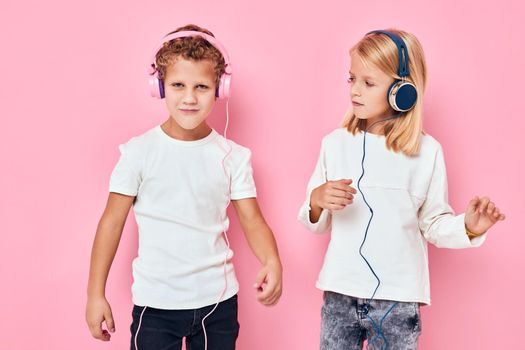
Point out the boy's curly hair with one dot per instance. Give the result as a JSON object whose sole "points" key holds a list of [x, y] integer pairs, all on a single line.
{"points": [[193, 48]]}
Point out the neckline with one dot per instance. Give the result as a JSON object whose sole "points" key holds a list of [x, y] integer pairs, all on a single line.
{"points": [[362, 133], [212, 135]]}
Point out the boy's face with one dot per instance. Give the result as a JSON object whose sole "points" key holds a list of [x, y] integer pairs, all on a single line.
{"points": [[369, 87], [189, 88]]}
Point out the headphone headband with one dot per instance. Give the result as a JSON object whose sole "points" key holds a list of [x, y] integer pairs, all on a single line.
{"points": [[403, 70], [402, 95], [190, 33]]}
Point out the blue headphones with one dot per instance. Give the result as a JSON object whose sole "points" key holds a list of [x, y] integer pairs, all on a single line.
{"points": [[402, 95]]}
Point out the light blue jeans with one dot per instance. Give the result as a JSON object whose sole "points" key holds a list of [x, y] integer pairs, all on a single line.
{"points": [[387, 325]]}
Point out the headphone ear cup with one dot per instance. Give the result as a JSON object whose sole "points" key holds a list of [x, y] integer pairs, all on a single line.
{"points": [[223, 90], [156, 87], [402, 96], [161, 89]]}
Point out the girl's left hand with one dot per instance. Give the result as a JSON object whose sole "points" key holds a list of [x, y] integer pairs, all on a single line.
{"points": [[481, 214]]}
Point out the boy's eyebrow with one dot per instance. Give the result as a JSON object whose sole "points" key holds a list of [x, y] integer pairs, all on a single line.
{"points": [[194, 83]]}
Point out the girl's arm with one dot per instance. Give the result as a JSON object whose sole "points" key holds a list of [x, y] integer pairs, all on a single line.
{"points": [[106, 242], [323, 196], [332, 195], [262, 242], [441, 226], [480, 215]]}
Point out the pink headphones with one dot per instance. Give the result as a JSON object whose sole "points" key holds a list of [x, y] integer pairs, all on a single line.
{"points": [[223, 89]]}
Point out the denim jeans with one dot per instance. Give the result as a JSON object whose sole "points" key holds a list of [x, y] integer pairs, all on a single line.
{"points": [[387, 325], [164, 329]]}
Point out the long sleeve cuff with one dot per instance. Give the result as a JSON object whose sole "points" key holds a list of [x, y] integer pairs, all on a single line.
{"points": [[321, 226]]}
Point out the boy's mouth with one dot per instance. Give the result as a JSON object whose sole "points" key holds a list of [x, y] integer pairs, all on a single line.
{"points": [[188, 110]]}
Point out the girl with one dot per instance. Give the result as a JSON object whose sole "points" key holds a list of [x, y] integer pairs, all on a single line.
{"points": [[375, 272]]}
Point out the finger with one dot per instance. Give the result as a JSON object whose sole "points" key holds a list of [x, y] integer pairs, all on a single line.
{"points": [[490, 208], [271, 300], [343, 181], [96, 331], [342, 186], [483, 205], [274, 301], [110, 323], [263, 294], [259, 279], [345, 200], [340, 201], [472, 205], [105, 335], [335, 192], [334, 206], [276, 296], [268, 292], [498, 215]]}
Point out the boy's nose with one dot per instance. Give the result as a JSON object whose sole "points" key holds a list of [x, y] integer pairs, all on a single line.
{"points": [[189, 97]]}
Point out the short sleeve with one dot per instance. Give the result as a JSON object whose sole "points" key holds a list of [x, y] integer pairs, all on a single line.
{"points": [[242, 185], [126, 176]]}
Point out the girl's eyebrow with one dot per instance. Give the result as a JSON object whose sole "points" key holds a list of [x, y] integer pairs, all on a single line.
{"points": [[366, 77]]}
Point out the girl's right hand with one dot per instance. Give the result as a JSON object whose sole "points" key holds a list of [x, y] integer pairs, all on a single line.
{"points": [[98, 311], [333, 195]]}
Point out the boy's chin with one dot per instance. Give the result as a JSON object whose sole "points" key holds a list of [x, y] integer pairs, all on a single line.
{"points": [[189, 125]]}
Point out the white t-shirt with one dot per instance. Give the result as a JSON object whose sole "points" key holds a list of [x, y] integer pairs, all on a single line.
{"points": [[182, 193], [409, 199]]}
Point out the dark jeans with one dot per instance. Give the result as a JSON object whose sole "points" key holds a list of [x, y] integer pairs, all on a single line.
{"points": [[164, 329], [387, 325]]}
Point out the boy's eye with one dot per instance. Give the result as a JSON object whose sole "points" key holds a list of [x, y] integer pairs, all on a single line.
{"points": [[202, 87], [177, 85]]}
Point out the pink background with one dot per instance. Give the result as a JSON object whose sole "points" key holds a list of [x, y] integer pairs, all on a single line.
{"points": [[74, 87]]}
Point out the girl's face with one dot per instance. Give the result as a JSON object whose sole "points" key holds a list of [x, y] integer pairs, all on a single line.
{"points": [[190, 95], [368, 88]]}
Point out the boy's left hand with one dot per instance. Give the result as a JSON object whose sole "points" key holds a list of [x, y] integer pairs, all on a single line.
{"points": [[268, 283], [481, 214]]}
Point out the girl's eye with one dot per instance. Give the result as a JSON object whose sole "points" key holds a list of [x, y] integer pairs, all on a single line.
{"points": [[369, 83], [350, 80]]}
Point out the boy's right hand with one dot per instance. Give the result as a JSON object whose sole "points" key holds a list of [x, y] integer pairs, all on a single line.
{"points": [[98, 311], [333, 195]]}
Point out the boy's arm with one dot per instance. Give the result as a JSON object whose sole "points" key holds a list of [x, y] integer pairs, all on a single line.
{"points": [[262, 242], [105, 246]]}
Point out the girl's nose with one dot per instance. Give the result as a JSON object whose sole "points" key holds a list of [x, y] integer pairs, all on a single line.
{"points": [[354, 90]]}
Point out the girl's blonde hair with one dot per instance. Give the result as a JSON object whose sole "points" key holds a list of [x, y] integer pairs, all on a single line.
{"points": [[378, 50]]}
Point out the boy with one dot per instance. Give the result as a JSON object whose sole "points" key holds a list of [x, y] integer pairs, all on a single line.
{"points": [[180, 177]]}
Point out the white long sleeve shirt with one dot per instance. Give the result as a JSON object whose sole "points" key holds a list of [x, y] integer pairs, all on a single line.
{"points": [[409, 199]]}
